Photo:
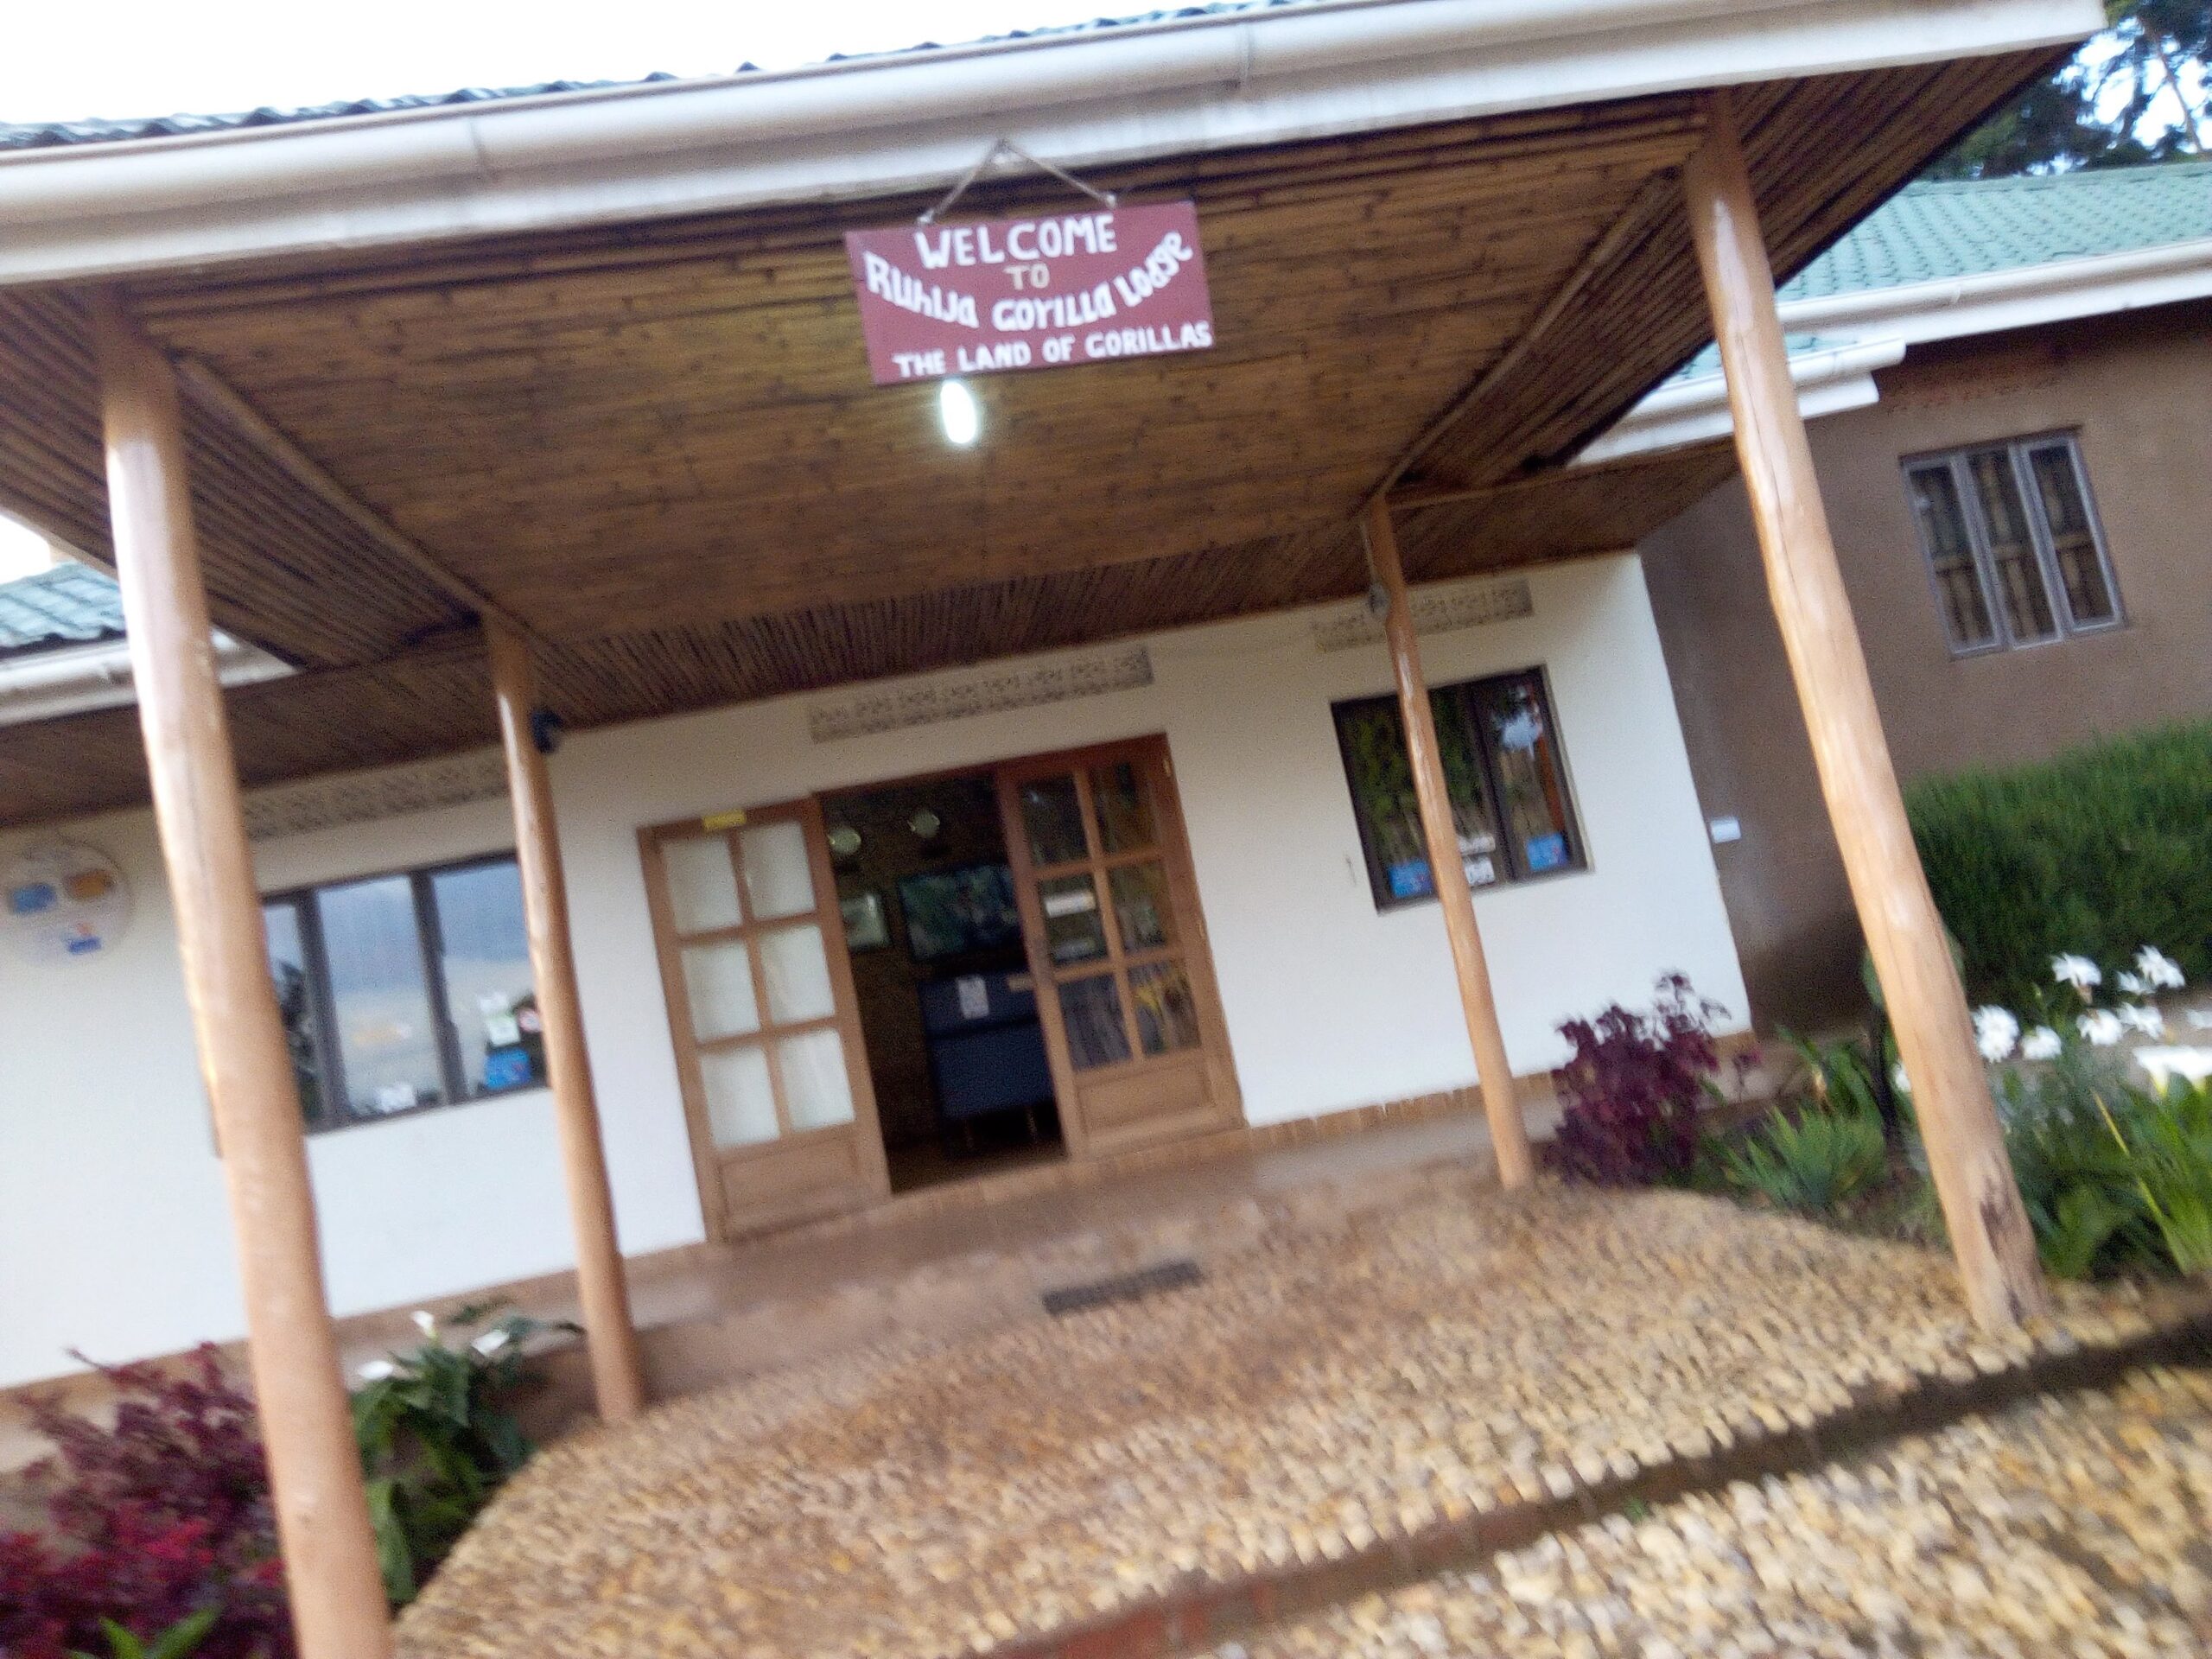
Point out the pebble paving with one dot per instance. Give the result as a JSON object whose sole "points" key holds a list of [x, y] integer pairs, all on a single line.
{"points": [[1341, 1388], [2073, 1526]]}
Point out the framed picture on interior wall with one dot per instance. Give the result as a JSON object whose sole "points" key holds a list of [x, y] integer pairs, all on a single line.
{"points": [[867, 927]]}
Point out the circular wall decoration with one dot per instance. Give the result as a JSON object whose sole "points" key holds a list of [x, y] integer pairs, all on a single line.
{"points": [[63, 901]]}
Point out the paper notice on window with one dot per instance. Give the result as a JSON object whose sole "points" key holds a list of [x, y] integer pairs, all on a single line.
{"points": [[396, 1097], [1075, 902], [975, 996], [500, 1029], [1481, 871]]}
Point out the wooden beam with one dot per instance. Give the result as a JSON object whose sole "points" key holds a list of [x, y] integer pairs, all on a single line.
{"points": [[322, 1515], [617, 1373], [1920, 983], [216, 395], [1599, 254], [1509, 1134]]}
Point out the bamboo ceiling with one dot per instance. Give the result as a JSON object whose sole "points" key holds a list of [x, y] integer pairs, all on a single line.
{"points": [[659, 448]]}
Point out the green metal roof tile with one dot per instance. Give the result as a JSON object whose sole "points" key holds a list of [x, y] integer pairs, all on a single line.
{"points": [[1931, 233], [69, 605]]}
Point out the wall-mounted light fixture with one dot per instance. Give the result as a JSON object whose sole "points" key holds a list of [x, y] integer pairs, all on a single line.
{"points": [[961, 416]]}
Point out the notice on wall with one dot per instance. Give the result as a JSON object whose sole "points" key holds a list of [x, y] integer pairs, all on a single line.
{"points": [[989, 297], [63, 901]]}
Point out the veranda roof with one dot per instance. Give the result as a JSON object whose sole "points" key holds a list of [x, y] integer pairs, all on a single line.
{"points": [[650, 437]]}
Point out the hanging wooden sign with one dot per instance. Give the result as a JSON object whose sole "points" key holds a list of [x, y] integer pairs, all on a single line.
{"points": [[991, 296]]}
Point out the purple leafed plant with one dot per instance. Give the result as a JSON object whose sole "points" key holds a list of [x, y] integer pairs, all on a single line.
{"points": [[1632, 1089]]}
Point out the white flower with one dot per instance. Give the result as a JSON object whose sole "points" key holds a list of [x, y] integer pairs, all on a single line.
{"points": [[2131, 983], [2163, 1065], [379, 1370], [2200, 1019], [2136, 1017], [2159, 970], [1995, 1030], [491, 1341], [1899, 1081], [2101, 1027], [2078, 971], [427, 1323], [2041, 1044]]}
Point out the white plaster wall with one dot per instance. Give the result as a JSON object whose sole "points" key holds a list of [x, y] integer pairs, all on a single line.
{"points": [[113, 1236]]}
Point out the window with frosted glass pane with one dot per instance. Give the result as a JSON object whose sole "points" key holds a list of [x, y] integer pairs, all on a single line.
{"points": [[2011, 538], [388, 1042], [1504, 774], [491, 998]]}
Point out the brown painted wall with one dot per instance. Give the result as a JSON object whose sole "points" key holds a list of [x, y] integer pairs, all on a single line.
{"points": [[2138, 391]]}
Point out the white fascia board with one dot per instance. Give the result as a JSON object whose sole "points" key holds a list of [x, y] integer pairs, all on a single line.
{"points": [[77, 679], [911, 122], [1683, 412], [2022, 297]]}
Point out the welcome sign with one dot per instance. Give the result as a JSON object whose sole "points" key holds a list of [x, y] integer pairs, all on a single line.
{"points": [[989, 297]]}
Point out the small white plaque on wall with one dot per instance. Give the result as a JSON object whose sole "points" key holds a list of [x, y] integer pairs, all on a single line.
{"points": [[63, 901], [1725, 830]]}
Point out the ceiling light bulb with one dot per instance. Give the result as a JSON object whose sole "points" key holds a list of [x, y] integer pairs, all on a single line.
{"points": [[958, 408]]}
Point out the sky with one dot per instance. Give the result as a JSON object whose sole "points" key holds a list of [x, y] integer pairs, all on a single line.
{"points": [[158, 57]]}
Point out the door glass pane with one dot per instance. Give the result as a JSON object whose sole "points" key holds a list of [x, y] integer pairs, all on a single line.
{"points": [[1123, 804], [2012, 558], [1167, 1019], [2073, 539], [387, 1041], [778, 880], [718, 980], [1518, 728], [797, 967], [740, 1101], [702, 883], [1091, 1009], [1073, 929], [1054, 819], [1942, 523], [1143, 908], [287, 966], [816, 1092], [491, 998]]}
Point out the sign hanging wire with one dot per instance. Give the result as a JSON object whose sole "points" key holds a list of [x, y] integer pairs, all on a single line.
{"points": [[1006, 147]]}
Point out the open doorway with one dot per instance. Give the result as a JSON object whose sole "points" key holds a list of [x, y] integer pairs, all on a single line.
{"points": [[948, 1010]]}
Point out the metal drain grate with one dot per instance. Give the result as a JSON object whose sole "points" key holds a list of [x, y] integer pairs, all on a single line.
{"points": [[1125, 1287]]}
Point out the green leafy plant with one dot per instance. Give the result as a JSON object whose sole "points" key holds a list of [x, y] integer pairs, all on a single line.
{"points": [[437, 1437], [181, 1639], [1812, 1160], [2169, 1154]]}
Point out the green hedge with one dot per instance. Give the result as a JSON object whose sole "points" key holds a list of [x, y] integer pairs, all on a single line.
{"points": [[2099, 850]]}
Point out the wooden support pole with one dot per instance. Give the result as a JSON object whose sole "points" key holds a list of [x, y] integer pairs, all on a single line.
{"points": [[617, 1373], [1509, 1134], [314, 1469], [1920, 983]]}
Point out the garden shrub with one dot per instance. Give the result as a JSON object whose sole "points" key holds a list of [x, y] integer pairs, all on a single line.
{"points": [[1813, 1159], [161, 1518], [2094, 851], [1632, 1090]]}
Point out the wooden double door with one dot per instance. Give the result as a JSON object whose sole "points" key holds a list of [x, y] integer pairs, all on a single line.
{"points": [[766, 1024]]}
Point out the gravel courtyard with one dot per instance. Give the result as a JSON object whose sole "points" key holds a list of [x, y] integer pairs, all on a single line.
{"points": [[1356, 1385]]}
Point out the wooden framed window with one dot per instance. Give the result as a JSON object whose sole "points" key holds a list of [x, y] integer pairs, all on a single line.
{"points": [[405, 991], [1503, 769], [2012, 543]]}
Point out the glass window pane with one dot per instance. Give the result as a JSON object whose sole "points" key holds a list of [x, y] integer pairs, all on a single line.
{"points": [[816, 1090], [1519, 730], [387, 1041], [718, 983], [492, 998], [740, 1101], [797, 966], [1167, 1019], [1074, 932], [2072, 537], [2018, 572], [1054, 818], [1142, 908], [1474, 818], [1373, 738], [1091, 1009], [287, 966], [778, 881], [702, 883], [1123, 803], [1943, 535]]}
